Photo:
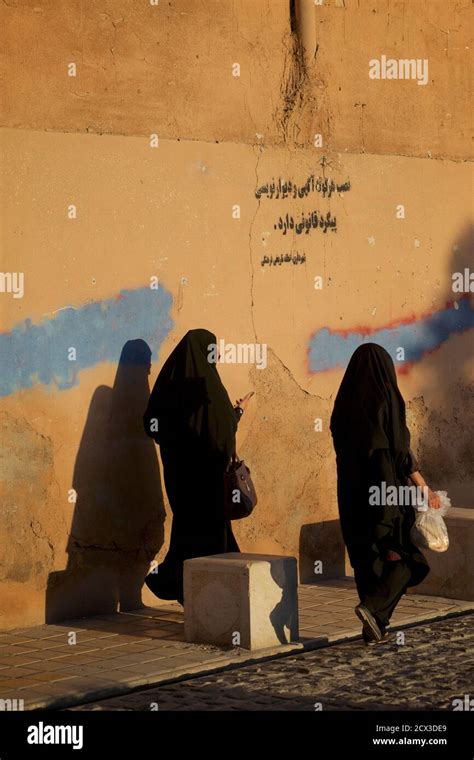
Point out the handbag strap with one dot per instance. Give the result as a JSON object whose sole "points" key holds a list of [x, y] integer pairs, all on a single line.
{"points": [[233, 460]]}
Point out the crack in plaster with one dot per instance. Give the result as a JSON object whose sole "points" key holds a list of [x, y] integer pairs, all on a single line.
{"points": [[38, 532]]}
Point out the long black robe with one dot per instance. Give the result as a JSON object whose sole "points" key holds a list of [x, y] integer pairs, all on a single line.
{"points": [[372, 445], [196, 433]]}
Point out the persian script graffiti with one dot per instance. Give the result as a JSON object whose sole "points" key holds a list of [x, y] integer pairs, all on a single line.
{"points": [[310, 222], [284, 258], [301, 222], [282, 189]]}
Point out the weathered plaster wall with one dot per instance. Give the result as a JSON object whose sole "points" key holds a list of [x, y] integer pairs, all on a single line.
{"points": [[167, 212], [168, 68]]}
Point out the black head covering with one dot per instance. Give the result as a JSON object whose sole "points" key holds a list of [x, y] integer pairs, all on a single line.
{"points": [[369, 410], [189, 400]]}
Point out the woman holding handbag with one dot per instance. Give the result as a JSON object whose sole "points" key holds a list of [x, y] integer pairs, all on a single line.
{"points": [[372, 445], [191, 417]]}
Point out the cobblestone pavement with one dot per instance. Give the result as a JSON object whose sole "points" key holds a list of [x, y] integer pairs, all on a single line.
{"points": [[434, 666]]}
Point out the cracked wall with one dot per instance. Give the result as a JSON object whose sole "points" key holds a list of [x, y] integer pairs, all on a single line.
{"points": [[83, 504]]}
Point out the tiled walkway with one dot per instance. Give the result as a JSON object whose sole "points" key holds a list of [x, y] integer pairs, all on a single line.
{"points": [[115, 654]]}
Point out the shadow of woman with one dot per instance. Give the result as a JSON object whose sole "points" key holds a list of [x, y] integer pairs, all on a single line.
{"points": [[444, 426], [118, 522]]}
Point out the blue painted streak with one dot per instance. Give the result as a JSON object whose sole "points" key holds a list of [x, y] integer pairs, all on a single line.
{"points": [[333, 349], [38, 354]]}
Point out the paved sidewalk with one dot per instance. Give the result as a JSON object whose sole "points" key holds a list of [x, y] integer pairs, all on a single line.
{"points": [[116, 654], [432, 668]]}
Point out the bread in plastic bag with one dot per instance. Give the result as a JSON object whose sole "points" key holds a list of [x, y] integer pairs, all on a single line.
{"points": [[429, 530]]}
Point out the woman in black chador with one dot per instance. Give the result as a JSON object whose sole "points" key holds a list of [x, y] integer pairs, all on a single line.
{"points": [[191, 417], [372, 444]]}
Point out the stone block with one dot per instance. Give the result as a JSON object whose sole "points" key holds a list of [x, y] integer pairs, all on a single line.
{"points": [[246, 600]]}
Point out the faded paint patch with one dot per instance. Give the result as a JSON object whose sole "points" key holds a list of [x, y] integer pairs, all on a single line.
{"points": [[333, 348], [38, 354], [27, 491]]}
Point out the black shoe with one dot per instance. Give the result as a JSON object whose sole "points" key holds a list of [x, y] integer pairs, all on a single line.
{"points": [[369, 642], [371, 626]]}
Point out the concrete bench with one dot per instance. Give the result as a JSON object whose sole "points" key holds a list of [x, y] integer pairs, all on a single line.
{"points": [[246, 600], [452, 572]]}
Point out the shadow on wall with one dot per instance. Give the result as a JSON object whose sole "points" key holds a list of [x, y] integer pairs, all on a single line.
{"points": [[444, 433], [322, 553], [118, 522]]}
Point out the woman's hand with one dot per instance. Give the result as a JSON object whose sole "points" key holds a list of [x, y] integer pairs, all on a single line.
{"points": [[392, 556], [433, 500], [242, 402]]}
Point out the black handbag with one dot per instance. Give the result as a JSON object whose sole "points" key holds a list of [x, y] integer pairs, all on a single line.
{"points": [[240, 497]]}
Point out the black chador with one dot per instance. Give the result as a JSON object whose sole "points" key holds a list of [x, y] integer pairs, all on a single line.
{"points": [[191, 417], [372, 445]]}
